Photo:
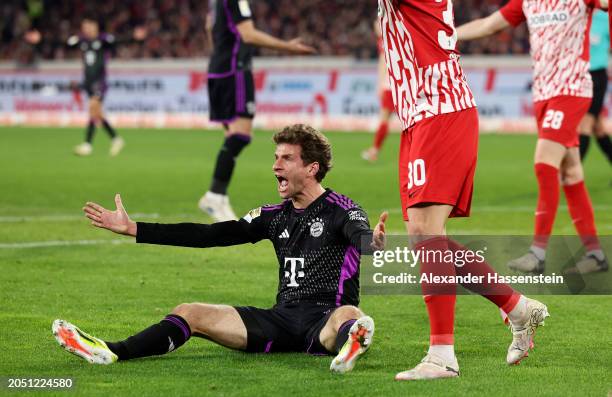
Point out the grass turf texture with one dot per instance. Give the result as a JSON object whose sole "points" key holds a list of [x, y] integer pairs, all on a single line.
{"points": [[112, 291]]}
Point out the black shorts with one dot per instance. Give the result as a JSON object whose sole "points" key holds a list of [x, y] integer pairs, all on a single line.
{"points": [[285, 328], [95, 88], [600, 86], [231, 97]]}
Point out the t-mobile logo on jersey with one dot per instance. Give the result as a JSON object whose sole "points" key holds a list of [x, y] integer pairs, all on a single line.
{"points": [[292, 274]]}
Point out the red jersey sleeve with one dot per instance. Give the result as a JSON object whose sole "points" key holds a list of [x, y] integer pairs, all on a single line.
{"points": [[595, 4], [513, 12]]}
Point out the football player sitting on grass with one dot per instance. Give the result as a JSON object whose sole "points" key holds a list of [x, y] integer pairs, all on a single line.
{"points": [[317, 235]]}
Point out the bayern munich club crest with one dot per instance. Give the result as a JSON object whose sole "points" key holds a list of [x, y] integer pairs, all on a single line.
{"points": [[316, 227]]}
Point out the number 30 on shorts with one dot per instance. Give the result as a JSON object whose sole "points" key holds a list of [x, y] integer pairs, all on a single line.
{"points": [[553, 119], [416, 173]]}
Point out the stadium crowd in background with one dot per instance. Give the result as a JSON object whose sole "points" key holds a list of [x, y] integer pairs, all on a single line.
{"points": [[176, 28]]}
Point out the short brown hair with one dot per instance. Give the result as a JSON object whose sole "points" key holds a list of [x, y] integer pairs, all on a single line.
{"points": [[315, 146]]}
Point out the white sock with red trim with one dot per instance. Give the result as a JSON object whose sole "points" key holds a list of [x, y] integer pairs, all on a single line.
{"points": [[445, 352]]}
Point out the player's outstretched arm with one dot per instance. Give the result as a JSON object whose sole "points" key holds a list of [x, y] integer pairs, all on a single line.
{"points": [[378, 236], [34, 37], [482, 27], [251, 35], [221, 234], [117, 221]]}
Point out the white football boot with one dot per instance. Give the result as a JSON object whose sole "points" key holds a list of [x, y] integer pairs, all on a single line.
{"points": [[217, 206], [523, 331], [431, 367], [117, 143], [588, 264], [358, 342], [370, 154], [84, 149], [528, 263], [79, 343]]}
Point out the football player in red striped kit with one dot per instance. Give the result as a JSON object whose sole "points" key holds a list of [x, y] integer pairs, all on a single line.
{"points": [[437, 162], [562, 92]]}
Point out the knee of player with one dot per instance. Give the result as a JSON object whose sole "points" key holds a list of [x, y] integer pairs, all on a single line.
{"points": [[345, 313], [572, 175], [185, 310], [94, 113], [600, 133], [418, 228]]}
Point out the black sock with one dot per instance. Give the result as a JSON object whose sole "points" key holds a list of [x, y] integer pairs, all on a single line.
{"points": [[109, 129], [343, 334], [226, 160], [161, 338], [91, 130], [606, 147], [584, 144]]}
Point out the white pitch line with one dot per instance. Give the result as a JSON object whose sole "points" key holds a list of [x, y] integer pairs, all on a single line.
{"points": [[62, 218], [396, 210], [61, 243], [68, 243]]}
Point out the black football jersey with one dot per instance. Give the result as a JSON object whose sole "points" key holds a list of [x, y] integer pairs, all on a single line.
{"points": [[95, 53], [318, 248], [230, 53]]}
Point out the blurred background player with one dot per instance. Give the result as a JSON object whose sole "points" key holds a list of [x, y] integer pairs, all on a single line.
{"points": [[439, 146], [95, 48], [562, 92], [386, 102], [592, 123], [231, 91]]}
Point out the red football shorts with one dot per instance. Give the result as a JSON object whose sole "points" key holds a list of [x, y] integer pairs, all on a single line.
{"points": [[386, 101], [437, 162], [558, 118]]}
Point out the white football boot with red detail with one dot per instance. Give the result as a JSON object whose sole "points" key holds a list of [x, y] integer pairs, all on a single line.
{"points": [[79, 343], [358, 342], [431, 367], [523, 332]]}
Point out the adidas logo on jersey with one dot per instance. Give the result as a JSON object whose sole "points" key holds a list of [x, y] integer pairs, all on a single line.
{"points": [[284, 234]]}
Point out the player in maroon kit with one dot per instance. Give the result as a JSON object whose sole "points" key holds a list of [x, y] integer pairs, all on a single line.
{"points": [[386, 103], [436, 167], [562, 92]]}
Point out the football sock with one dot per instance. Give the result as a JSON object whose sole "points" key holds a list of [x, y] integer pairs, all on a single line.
{"points": [[163, 337], [605, 146], [439, 298], [381, 134], [343, 334], [598, 254], [445, 352], [585, 140], [548, 201], [518, 313], [500, 294], [539, 252], [91, 130], [226, 160], [581, 211], [109, 129]]}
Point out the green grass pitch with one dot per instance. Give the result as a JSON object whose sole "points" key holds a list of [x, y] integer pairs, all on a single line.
{"points": [[112, 290]]}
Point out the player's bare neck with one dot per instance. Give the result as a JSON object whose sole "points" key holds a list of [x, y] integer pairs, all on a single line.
{"points": [[307, 196]]}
